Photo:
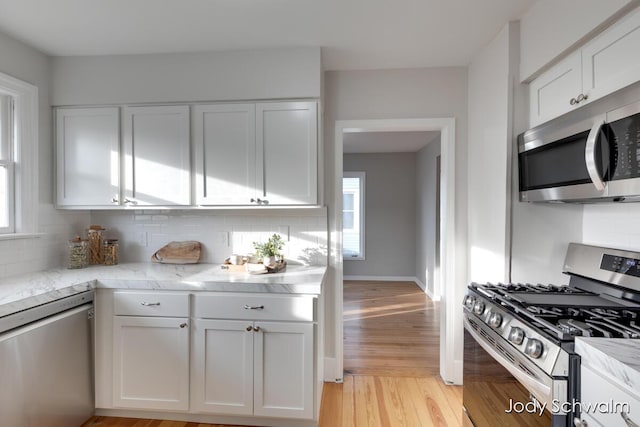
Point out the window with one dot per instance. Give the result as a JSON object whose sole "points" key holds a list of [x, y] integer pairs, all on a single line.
{"points": [[353, 192], [18, 158], [6, 165]]}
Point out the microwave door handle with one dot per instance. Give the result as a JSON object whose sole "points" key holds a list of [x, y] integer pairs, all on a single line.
{"points": [[590, 155]]}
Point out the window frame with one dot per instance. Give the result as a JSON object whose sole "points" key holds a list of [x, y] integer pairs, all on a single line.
{"points": [[24, 159], [358, 220]]}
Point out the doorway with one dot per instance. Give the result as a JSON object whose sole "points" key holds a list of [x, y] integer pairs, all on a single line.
{"points": [[450, 325]]}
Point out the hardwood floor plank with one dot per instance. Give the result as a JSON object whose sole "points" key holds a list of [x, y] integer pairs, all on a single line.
{"points": [[331, 404], [348, 403]]}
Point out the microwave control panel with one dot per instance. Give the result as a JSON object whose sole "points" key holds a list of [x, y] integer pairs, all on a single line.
{"points": [[625, 141]]}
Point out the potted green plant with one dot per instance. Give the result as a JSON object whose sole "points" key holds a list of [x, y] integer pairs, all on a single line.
{"points": [[269, 251]]}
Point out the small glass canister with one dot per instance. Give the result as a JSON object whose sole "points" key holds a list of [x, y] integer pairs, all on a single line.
{"points": [[77, 253], [94, 234], [110, 251]]}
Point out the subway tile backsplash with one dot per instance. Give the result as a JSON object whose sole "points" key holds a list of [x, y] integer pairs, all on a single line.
{"points": [[222, 233]]}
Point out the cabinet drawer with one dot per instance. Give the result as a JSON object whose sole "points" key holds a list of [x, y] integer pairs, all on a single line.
{"points": [[605, 400], [151, 304], [255, 307]]}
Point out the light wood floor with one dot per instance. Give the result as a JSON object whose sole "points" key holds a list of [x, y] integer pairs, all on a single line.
{"points": [[390, 328], [391, 352]]}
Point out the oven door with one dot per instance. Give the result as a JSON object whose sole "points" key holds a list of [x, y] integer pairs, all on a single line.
{"points": [[502, 388]]}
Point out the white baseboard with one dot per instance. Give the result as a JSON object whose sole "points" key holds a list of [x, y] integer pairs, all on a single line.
{"points": [[330, 367]]}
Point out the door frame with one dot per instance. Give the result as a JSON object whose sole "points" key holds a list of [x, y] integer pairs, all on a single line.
{"points": [[450, 310]]}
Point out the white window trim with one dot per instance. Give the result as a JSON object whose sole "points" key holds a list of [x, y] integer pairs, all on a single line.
{"points": [[25, 155], [362, 176]]}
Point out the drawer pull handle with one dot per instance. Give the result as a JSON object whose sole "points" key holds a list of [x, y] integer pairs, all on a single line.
{"points": [[149, 304], [253, 307], [628, 420], [249, 328], [256, 329], [183, 325]]}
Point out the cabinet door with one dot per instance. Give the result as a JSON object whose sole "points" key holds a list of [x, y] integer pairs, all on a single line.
{"points": [[287, 147], [151, 363], [88, 156], [283, 370], [156, 149], [222, 372], [550, 94], [612, 60], [225, 154]]}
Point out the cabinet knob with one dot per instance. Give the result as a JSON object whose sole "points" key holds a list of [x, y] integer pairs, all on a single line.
{"points": [[258, 201], [183, 325], [249, 328], [114, 200], [573, 101], [581, 98], [256, 329], [265, 202], [130, 202]]}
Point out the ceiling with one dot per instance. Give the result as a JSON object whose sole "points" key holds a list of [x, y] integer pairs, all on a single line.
{"points": [[387, 142], [353, 34]]}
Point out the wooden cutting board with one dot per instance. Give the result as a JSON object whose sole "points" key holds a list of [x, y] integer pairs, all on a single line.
{"points": [[187, 252]]}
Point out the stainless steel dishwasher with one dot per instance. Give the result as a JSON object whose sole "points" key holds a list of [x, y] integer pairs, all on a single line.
{"points": [[46, 364]]}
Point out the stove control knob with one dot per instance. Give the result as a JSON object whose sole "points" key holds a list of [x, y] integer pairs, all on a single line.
{"points": [[478, 308], [469, 301], [534, 348], [516, 335], [495, 320]]}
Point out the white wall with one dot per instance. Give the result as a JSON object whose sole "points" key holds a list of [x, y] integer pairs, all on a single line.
{"points": [[207, 76], [28, 255], [221, 232], [398, 94], [390, 206], [551, 28], [490, 141], [426, 216]]}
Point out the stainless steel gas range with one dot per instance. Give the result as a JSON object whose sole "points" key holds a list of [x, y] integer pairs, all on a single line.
{"points": [[520, 367]]}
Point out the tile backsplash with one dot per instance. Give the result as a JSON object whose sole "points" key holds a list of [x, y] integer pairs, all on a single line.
{"points": [[48, 249], [221, 232]]}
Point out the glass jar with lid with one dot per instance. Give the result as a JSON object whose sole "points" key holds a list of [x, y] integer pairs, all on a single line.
{"points": [[110, 251], [77, 253], [94, 234]]}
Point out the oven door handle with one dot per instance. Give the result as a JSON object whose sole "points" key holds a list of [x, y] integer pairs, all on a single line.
{"points": [[539, 390], [590, 156]]}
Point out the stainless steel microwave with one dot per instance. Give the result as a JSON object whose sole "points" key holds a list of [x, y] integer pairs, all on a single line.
{"points": [[593, 160]]}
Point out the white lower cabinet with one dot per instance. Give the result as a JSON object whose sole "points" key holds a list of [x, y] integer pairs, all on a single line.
{"points": [[151, 362], [253, 368], [250, 356]]}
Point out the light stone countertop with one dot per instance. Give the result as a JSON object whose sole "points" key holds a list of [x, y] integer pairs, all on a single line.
{"points": [[615, 357], [22, 292]]}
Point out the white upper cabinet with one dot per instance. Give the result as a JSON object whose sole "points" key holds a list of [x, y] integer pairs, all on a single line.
{"points": [[256, 154], [156, 155], [551, 93], [88, 156], [287, 147], [609, 62], [225, 153]]}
